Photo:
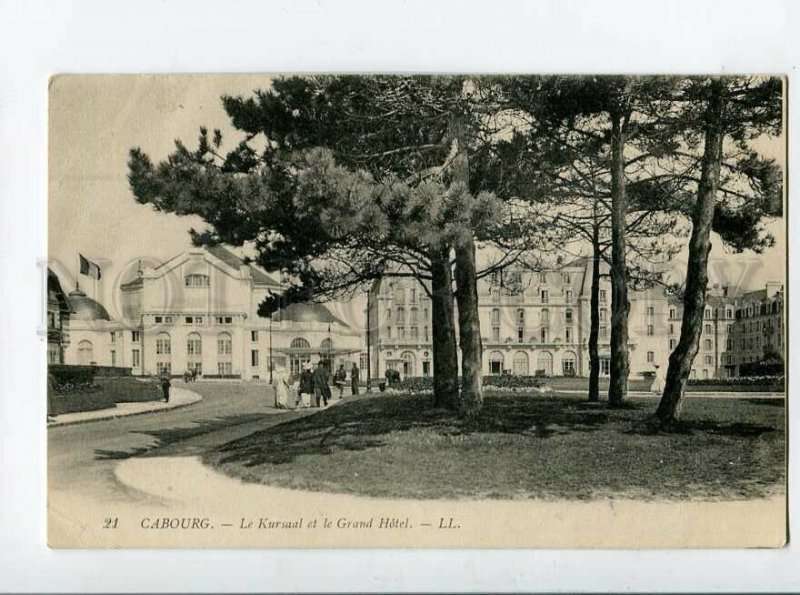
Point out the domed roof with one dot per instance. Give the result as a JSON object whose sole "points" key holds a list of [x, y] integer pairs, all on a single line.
{"points": [[85, 308], [309, 312]]}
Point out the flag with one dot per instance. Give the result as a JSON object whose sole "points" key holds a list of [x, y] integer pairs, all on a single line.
{"points": [[89, 268]]}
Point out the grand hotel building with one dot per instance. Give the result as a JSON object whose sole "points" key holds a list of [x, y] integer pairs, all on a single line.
{"points": [[539, 323]]}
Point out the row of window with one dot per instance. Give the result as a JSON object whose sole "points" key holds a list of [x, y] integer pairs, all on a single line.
{"points": [[193, 319]]}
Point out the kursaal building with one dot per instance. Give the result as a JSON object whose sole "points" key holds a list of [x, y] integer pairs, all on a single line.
{"points": [[198, 311]]}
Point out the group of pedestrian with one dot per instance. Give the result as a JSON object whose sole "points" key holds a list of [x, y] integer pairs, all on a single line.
{"points": [[313, 386]]}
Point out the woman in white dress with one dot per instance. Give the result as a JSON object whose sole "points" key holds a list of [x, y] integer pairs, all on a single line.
{"points": [[280, 382], [658, 381]]}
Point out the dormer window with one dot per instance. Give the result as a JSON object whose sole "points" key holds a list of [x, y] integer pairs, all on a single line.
{"points": [[195, 280]]}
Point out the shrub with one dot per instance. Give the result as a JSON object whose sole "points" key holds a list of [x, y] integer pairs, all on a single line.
{"points": [[130, 389], [63, 375]]}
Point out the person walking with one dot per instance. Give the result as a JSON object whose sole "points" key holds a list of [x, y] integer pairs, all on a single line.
{"points": [[355, 377], [166, 382], [305, 387], [280, 385], [321, 384], [339, 379], [658, 381]]}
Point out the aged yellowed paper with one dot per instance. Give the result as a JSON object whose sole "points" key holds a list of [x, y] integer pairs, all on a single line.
{"points": [[405, 311]]}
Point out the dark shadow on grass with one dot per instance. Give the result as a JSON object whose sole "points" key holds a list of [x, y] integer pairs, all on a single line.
{"points": [[358, 425], [173, 436]]}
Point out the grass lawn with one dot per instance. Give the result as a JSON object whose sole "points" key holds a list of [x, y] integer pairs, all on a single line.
{"points": [[519, 447]]}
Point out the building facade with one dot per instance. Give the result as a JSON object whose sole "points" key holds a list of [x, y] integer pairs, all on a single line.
{"points": [[759, 325], [538, 323], [198, 311]]}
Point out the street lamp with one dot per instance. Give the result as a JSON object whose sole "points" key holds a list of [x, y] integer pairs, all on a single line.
{"points": [[369, 351], [330, 345], [270, 348]]}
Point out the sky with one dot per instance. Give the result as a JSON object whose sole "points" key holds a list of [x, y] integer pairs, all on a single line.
{"points": [[96, 120]]}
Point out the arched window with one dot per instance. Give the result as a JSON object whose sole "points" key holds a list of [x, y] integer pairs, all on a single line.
{"points": [[569, 364], [496, 360], [85, 353], [326, 345], [544, 363], [520, 363], [300, 343], [407, 358], [194, 352], [300, 357], [224, 354]]}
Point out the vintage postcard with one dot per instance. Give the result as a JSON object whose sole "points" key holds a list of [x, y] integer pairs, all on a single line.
{"points": [[417, 311]]}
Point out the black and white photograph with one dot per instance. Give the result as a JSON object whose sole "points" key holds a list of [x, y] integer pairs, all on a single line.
{"points": [[399, 310]]}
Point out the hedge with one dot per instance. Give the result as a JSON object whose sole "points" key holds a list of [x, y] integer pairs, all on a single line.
{"points": [[131, 389], [71, 375], [104, 394]]}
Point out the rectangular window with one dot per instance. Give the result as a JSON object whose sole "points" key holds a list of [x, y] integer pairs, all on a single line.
{"points": [[254, 336], [671, 329], [602, 314], [113, 337], [568, 296], [650, 311], [134, 336], [495, 333], [568, 315], [707, 329], [196, 280], [651, 357], [164, 368], [254, 358], [693, 373], [650, 330], [568, 334], [566, 278], [603, 332], [545, 296], [605, 366], [425, 338], [413, 291], [672, 344], [709, 360], [602, 295], [709, 344], [163, 347], [705, 374], [672, 312], [223, 319], [113, 358], [542, 277], [520, 334], [414, 332], [544, 335], [135, 359], [225, 368]]}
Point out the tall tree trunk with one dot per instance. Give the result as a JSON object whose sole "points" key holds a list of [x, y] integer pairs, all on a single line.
{"points": [[443, 333], [469, 327], [620, 306], [694, 299], [594, 330]]}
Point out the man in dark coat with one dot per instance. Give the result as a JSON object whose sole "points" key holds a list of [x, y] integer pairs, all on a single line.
{"points": [[355, 376], [321, 384], [164, 378]]}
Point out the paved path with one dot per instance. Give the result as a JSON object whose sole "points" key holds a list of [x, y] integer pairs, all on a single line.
{"points": [[82, 457], [179, 397]]}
